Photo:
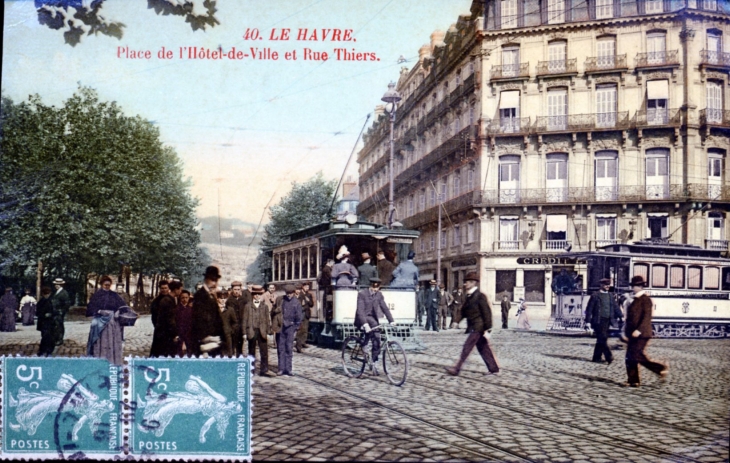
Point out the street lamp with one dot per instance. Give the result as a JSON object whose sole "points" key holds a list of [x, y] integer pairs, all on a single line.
{"points": [[391, 98]]}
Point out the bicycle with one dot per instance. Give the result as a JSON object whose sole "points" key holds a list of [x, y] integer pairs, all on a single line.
{"points": [[355, 358]]}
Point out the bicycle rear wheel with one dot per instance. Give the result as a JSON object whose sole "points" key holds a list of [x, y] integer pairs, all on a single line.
{"points": [[353, 357], [395, 363]]}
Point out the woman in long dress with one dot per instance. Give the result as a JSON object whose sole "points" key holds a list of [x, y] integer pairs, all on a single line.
{"points": [[28, 308], [106, 337], [8, 306], [522, 321]]}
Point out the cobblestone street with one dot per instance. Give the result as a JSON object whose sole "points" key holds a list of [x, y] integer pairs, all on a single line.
{"points": [[549, 404]]}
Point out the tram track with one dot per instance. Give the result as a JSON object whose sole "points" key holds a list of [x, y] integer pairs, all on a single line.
{"points": [[614, 441]]}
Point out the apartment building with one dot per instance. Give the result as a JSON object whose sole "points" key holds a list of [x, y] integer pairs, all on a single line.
{"points": [[545, 126]]}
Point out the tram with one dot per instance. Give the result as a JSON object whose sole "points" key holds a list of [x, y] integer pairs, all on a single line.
{"points": [[690, 286], [302, 258]]}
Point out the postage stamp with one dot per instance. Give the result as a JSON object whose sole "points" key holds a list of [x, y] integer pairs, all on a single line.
{"points": [[190, 408], [60, 408]]}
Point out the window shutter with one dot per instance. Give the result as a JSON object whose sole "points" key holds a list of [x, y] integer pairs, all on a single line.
{"points": [[592, 9], [616, 8], [568, 8], [543, 11], [520, 13], [498, 14], [642, 6]]}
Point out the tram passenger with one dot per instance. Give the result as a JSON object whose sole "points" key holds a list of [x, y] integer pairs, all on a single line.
{"points": [[344, 273], [638, 330], [371, 307], [324, 281], [601, 312], [405, 274], [385, 269], [366, 270]]}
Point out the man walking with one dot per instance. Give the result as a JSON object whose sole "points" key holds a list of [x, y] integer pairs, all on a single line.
{"points": [[371, 307], [165, 335], [46, 323], [456, 307], [236, 303], [638, 331], [505, 311], [290, 313], [366, 270], [306, 298], [432, 300], [257, 325], [478, 314], [207, 329], [444, 303], [61, 303], [601, 309]]}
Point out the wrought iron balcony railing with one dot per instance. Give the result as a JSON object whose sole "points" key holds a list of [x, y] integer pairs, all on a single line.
{"points": [[711, 116], [606, 63], [715, 58], [582, 122], [657, 58], [563, 66], [509, 126], [657, 117], [510, 71]]}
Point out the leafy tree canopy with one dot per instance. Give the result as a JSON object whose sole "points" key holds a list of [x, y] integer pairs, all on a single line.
{"points": [[87, 189]]}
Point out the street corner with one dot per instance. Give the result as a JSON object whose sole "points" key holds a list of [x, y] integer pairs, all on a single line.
{"points": [[170, 397], [60, 408]]}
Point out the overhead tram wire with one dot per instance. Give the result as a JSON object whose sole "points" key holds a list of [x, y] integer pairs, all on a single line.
{"points": [[347, 164]]}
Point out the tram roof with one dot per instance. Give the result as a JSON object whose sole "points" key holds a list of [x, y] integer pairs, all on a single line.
{"points": [[653, 248], [341, 227]]}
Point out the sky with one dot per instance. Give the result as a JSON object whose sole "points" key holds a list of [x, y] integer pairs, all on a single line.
{"points": [[244, 129]]}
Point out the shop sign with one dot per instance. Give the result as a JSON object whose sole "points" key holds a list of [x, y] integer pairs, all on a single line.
{"points": [[546, 260]]}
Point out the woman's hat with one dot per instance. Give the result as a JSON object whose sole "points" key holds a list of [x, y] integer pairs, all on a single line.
{"points": [[343, 252], [638, 280], [212, 273]]}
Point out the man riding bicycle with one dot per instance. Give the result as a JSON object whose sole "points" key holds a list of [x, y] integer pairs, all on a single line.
{"points": [[371, 307]]}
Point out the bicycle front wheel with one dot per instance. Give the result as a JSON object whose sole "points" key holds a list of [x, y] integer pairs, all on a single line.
{"points": [[395, 363], [353, 357]]}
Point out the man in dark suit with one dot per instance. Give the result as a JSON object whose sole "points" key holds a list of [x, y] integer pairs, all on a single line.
{"points": [[61, 303], [236, 303], [306, 298], [291, 318], [602, 309], [505, 306], [431, 301], [366, 270], [207, 323], [257, 325], [638, 330], [478, 313], [371, 307], [456, 308]]}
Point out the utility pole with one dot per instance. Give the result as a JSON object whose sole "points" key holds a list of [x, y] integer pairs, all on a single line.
{"points": [[438, 243]]}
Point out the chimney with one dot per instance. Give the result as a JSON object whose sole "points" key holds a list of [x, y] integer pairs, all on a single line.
{"points": [[437, 37], [424, 52]]}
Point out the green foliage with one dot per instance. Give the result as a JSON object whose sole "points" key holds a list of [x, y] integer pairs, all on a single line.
{"points": [[88, 189]]}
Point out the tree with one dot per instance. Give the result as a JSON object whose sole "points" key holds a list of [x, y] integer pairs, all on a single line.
{"points": [[305, 205], [87, 189]]}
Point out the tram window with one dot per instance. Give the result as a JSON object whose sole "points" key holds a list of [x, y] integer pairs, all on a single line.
{"points": [[726, 279], [712, 278], [676, 276], [694, 277], [659, 276], [642, 270]]}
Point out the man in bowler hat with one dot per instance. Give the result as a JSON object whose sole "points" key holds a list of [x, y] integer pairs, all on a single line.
{"points": [[290, 312], [478, 313], [638, 331], [432, 300], [601, 310], [207, 323]]}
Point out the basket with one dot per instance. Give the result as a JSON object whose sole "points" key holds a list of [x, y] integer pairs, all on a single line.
{"points": [[127, 316]]}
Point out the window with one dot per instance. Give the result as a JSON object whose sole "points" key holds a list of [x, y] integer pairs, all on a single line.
{"points": [[557, 231], [654, 6], [657, 173], [510, 61], [470, 179], [656, 47], [659, 276], [694, 277], [470, 232], [714, 46], [606, 49], [657, 98], [714, 112], [557, 109], [433, 241], [714, 173], [709, 5], [411, 205], [556, 56], [604, 9], [712, 278], [557, 177], [444, 235], [606, 175], [422, 244], [534, 285], [471, 114], [556, 11], [505, 282], [642, 270], [432, 198], [457, 235], [509, 14], [457, 183], [605, 230], [657, 225], [716, 230], [509, 179], [422, 200], [606, 105], [444, 191], [676, 276], [509, 111], [508, 232]]}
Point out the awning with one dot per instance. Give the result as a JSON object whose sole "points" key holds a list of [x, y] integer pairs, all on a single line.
{"points": [[509, 99], [557, 223], [657, 214], [605, 216], [509, 217], [657, 90]]}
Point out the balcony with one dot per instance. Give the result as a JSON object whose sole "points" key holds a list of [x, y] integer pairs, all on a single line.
{"points": [[557, 67], [556, 245], [595, 244], [582, 122], [506, 245], [510, 71], [715, 59], [611, 63], [719, 245], [657, 59], [509, 126], [657, 117], [715, 117]]}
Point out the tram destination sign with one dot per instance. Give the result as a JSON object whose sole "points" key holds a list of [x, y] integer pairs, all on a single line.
{"points": [[400, 240], [546, 260]]}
